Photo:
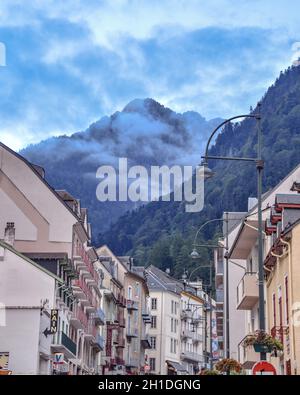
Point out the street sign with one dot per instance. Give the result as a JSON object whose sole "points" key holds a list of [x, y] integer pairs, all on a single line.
{"points": [[58, 358], [53, 321], [263, 368]]}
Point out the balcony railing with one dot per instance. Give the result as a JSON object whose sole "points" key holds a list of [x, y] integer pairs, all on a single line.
{"points": [[145, 341], [79, 318], [62, 343], [99, 342], [146, 316], [80, 251], [121, 300], [133, 362], [120, 342], [82, 291], [132, 332], [131, 305], [186, 333], [121, 320], [191, 356], [247, 292], [100, 316], [197, 337]]}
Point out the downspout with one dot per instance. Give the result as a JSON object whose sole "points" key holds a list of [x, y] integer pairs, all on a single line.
{"points": [[291, 299]]}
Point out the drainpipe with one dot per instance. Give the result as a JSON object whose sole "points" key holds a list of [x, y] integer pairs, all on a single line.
{"points": [[288, 244]]}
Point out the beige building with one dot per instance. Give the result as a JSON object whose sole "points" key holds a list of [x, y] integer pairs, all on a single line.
{"points": [[283, 279]]}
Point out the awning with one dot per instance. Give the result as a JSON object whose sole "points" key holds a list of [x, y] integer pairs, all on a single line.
{"points": [[176, 366]]}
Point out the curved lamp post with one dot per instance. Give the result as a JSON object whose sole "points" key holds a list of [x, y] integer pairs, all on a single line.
{"points": [[259, 166]]}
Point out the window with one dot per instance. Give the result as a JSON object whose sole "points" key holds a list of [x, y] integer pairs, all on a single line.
{"points": [[153, 342], [129, 293], [137, 289], [153, 322], [153, 303], [152, 364], [274, 310], [172, 306], [286, 299], [172, 321], [280, 313], [171, 345]]}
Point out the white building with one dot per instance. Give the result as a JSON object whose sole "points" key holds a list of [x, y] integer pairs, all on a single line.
{"points": [[165, 328], [180, 325], [25, 315]]}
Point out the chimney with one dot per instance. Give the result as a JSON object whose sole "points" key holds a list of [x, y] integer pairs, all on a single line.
{"points": [[9, 233]]}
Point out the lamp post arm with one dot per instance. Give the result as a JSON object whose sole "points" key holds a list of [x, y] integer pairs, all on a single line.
{"points": [[223, 124], [203, 225]]}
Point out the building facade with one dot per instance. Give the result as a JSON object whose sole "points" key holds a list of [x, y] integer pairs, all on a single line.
{"points": [[51, 229]]}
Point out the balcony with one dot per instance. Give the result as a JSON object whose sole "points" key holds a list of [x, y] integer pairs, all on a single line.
{"points": [[145, 341], [186, 334], [133, 363], [120, 342], [191, 356], [91, 332], [198, 337], [146, 316], [99, 317], [99, 342], [131, 305], [83, 263], [119, 361], [63, 344], [247, 292], [185, 314], [78, 319], [121, 301], [84, 294], [132, 332], [121, 321]]}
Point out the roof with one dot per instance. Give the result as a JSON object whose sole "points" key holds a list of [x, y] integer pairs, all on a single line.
{"points": [[159, 280], [25, 258], [46, 255], [37, 171], [268, 193]]}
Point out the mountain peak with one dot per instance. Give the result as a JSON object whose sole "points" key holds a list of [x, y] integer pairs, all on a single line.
{"points": [[147, 106]]}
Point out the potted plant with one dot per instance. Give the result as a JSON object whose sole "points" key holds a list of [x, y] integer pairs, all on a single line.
{"points": [[263, 342], [229, 365]]}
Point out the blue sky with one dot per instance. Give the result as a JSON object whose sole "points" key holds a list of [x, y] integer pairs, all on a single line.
{"points": [[69, 63]]}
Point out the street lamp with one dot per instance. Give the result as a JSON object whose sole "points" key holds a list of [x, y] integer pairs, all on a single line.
{"points": [[259, 166]]}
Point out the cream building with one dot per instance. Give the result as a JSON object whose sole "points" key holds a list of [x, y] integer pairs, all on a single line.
{"points": [[244, 249]]}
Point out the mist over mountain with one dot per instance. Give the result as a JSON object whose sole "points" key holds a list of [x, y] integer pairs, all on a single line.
{"points": [[145, 132], [162, 233]]}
